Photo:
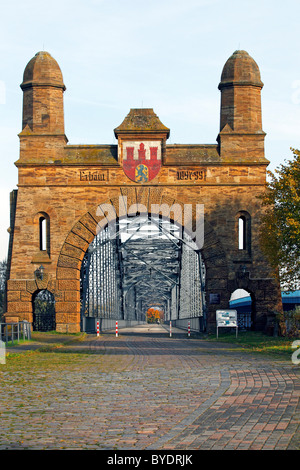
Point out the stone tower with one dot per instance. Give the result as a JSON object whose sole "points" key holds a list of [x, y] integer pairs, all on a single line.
{"points": [[241, 134], [43, 133]]}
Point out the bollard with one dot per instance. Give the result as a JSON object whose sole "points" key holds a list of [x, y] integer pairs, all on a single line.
{"points": [[189, 329], [116, 329], [170, 329], [97, 327]]}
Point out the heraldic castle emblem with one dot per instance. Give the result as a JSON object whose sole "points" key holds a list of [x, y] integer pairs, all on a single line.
{"points": [[141, 139]]}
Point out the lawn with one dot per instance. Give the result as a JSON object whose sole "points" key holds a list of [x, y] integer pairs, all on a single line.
{"points": [[255, 341], [258, 342]]}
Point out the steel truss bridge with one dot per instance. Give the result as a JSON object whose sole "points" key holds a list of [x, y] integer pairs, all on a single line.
{"points": [[142, 262]]}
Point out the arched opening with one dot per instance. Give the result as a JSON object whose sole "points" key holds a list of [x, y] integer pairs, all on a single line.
{"points": [[43, 311], [72, 262], [244, 303], [139, 262]]}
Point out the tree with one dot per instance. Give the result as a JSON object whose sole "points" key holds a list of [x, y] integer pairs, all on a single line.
{"points": [[154, 315], [151, 315], [280, 224]]}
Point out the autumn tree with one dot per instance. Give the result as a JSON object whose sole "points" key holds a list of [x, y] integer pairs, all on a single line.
{"points": [[150, 315], [280, 224], [153, 315]]}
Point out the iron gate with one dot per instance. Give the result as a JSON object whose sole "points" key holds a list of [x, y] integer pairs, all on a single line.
{"points": [[43, 311]]}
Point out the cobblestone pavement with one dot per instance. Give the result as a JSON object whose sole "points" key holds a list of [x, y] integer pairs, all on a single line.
{"points": [[146, 390]]}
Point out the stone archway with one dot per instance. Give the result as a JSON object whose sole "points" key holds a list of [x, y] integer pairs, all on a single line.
{"points": [[64, 184], [138, 199]]}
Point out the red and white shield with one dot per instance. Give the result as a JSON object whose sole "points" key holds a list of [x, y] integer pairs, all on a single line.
{"points": [[141, 159]]}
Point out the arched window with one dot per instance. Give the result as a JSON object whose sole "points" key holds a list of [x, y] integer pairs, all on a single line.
{"points": [[44, 233], [244, 231]]}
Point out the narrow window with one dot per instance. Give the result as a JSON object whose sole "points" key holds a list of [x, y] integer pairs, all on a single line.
{"points": [[43, 234], [242, 233]]}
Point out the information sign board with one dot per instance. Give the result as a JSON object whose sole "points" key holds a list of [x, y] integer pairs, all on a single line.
{"points": [[226, 318]]}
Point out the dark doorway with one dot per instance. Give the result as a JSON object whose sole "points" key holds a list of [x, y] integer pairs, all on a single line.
{"points": [[44, 311]]}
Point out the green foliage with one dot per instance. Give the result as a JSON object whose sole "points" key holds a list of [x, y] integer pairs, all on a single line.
{"points": [[291, 320], [280, 224]]}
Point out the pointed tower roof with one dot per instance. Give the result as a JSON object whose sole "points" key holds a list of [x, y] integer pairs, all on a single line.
{"points": [[141, 121]]}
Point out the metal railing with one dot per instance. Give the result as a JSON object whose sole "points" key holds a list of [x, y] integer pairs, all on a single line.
{"points": [[15, 332]]}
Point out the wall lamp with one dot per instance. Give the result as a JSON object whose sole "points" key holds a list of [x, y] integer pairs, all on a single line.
{"points": [[39, 272]]}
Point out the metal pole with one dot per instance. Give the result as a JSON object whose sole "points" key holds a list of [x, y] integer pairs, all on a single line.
{"points": [[170, 329]]}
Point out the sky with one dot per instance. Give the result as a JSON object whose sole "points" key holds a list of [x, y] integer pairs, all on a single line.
{"points": [[162, 54]]}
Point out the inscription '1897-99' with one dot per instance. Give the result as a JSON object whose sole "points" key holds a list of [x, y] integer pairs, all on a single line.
{"points": [[196, 175]]}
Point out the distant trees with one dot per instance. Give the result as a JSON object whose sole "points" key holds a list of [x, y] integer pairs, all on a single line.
{"points": [[154, 315], [280, 224]]}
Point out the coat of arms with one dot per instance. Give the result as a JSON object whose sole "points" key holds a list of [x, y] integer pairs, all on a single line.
{"points": [[141, 160]]}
